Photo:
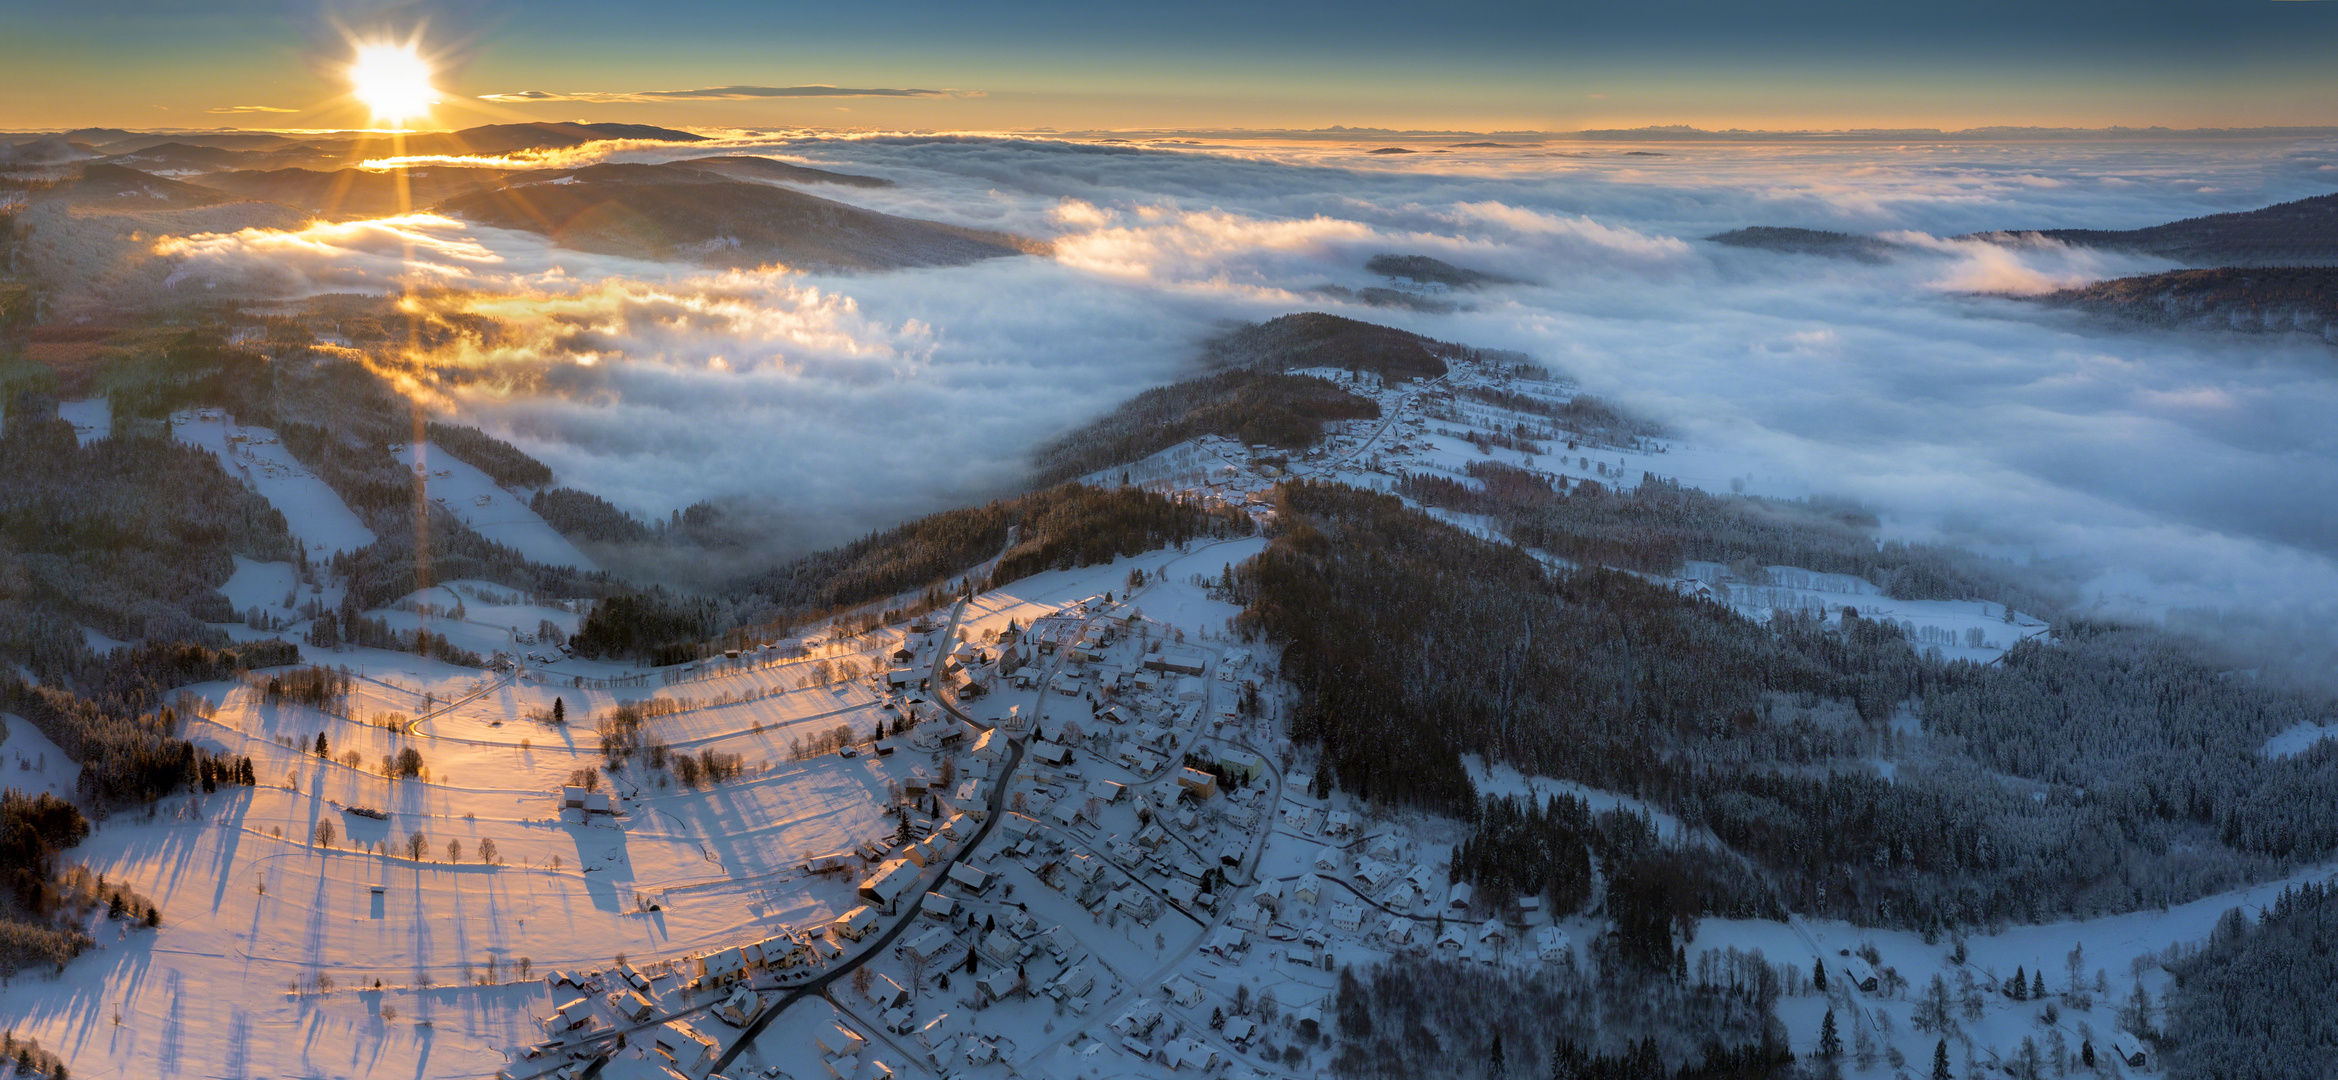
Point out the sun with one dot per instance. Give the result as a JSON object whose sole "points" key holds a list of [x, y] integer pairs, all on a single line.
{"points": [[393, 81]]}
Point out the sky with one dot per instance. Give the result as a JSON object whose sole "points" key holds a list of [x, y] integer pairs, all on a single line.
{"points": [[1468, 65]]}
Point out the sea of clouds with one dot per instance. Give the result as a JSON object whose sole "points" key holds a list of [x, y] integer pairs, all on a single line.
{"points": [[2183, 469]]}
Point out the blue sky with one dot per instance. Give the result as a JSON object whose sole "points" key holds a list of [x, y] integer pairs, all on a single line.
{"points": [[1207, 63]]}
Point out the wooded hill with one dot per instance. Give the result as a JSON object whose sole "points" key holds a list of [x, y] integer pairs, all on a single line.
{"points": [[2303, 232], [1251, 407], [2258, 300], [1313, 339], [2115, 769]]}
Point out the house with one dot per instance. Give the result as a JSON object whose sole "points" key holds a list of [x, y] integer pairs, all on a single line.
{"points": [[721, 966], [1493, 934], [1065, 683], [1055, 754], [1374, 875], [1239, 1032], [1400, 930], [937, 1031], [928, 851], [1458, 897], [739, 1008], [939, 907], [997, 983], [684, 1045], [971, 878], [1307, 890], [632, 1006], [1550, 943], [829, 863], [587, 802], [839, 1040], [1227, 941], [1384, 847], [855, 924], [2129, 1052], [886, 994], [1139, 1021], [1106, 791], [1347, 916], [1189, 1054], [928, 946], [893, 878], [1451, 939], [570, 1016], [1339, 823], [1078, 982], [968, 799], [1246, 765], [1202, 784], [1177, 660], [1184, 991], [784, 952]]}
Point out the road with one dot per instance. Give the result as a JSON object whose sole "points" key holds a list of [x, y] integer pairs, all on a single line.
{"points": [[998, 797]]}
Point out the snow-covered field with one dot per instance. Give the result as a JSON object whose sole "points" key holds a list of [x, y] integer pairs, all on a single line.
{"points": [[495, 513], [315, 513]]}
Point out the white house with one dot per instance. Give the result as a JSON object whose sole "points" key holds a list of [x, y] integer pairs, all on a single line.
{"points": [[971, 878], [886, 886], [856, 923]]}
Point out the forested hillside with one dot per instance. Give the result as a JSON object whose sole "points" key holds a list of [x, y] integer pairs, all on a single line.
{"points": [[1252, 407], [1656, 526], [2259, 1000], [1065, 526], [2114, 770]]}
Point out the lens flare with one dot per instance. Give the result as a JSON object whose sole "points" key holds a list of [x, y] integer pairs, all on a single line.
{"points": [[393, 81]]}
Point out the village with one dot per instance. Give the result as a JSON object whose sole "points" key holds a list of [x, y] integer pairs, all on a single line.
{"points": [[1056, 828]]}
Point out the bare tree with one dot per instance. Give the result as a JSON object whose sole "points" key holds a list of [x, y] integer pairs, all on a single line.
{"points": [[326, 834], [416, 845]]}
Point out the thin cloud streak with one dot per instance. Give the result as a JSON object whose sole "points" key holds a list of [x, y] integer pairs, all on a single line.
{"points": [[711, 93]]}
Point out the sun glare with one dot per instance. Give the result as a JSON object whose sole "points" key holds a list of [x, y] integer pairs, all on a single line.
{"points": [[393, 81]]}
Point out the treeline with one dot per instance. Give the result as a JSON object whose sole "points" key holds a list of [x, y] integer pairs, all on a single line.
{"points": [[394, 566], [1411, 1017], [1254, 407], [503, 463], [1074, 525], [120, 726], [1587, 416], [1656, 527], [129, 535], [1064, 526], [33, 829], [585, 517], [653, 627], [2258, 998]]}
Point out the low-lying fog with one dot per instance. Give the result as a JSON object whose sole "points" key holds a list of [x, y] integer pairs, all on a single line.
{"points": [[2189, 469]]}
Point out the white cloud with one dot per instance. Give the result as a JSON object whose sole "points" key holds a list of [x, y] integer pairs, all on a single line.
{"points": [[2188, 468]]}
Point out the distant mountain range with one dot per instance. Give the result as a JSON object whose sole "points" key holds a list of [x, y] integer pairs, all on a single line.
{"points": [[209, 151]]}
